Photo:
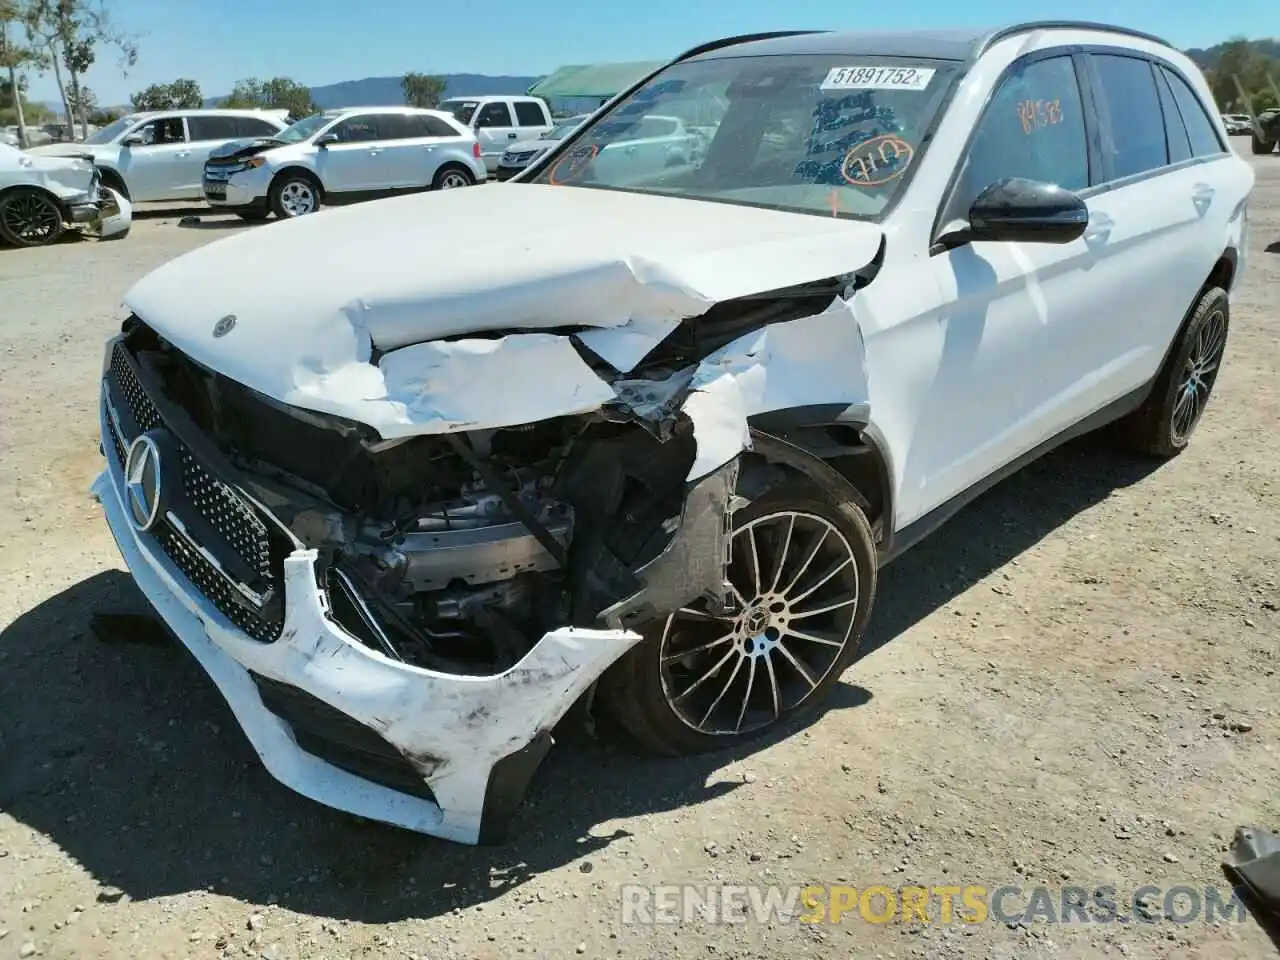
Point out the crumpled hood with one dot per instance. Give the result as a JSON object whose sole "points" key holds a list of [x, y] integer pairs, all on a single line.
{"points": [[235, 149], [83, 151], [312, 297]]}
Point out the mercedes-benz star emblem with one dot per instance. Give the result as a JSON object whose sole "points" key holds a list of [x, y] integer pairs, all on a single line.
{"points": [[225, 325], [142, 472]]}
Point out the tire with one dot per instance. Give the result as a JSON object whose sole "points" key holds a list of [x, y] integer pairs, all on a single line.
{"points": [[648, 690], [452, 176], [293, 195], [30, 218], [1163, 425], [253, 216], [1261, 147]]}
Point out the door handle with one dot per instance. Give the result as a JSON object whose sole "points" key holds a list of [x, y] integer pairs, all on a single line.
{"points": [[373, 151], [183, 153], [511, 136], [1202, 196], [1099, 229]]}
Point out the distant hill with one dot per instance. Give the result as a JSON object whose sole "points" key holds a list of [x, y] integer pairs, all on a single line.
{"points": [[1209, 58], [386, 91]]}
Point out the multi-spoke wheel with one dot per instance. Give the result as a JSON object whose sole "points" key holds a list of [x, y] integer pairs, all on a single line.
{"points": [[1164, 424], [293, 195], [451, 177], [29, 218], [803, 578]]}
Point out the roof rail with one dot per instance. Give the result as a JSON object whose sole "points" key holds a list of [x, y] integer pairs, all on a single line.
{"points": [[742, 38], [1017, 28]]}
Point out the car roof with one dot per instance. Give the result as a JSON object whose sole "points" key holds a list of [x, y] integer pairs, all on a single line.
{"points": [[383, 108], [959, 44], [209, 111]]}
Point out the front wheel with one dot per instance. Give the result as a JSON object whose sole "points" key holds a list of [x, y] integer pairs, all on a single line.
{"points": [[804, 580], [451, 178], [1163, 425], [293, 195], [1261, 147], [29, 218]]}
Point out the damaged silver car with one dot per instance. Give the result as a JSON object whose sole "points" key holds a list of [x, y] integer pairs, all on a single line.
{"points": [[646, 436]]}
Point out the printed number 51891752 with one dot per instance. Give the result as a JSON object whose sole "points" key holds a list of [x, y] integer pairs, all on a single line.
{"points": [[878, 78]]}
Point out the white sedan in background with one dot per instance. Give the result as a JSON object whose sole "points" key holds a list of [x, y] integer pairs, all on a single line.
{"points": [[39, 196]]}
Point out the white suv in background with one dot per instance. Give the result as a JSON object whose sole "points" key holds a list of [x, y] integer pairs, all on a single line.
{"points": [[343, 156], [160, 155], [500, 121]]}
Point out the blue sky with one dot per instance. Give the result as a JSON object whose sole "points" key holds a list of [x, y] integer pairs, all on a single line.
{"points": [[216, 42]]}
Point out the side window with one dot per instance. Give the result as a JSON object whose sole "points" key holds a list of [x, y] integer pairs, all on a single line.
{"points": [[1204, 138], [253, 127], [1133, 137], [397, 126], [211, 128], [529, 114], [494, 115], [436, 127], [358, 129], [157, 132], [1033, 128], [1174, 130]]}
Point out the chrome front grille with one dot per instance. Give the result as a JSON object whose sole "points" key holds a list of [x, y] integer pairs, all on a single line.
{"points": [[215, 537]]}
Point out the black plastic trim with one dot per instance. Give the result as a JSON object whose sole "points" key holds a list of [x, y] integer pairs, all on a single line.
{"points": [[509, 780], [917, 530], [720, 44]]}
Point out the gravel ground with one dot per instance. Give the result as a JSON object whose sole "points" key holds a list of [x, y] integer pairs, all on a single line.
{"points": [[1072, 684]]}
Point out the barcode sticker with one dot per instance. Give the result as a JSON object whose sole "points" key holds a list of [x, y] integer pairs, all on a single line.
{"points": [[878, 78]]}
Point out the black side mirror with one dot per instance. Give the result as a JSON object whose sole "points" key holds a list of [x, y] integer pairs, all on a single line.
{"points": [[1027, 211], [325, 140]]}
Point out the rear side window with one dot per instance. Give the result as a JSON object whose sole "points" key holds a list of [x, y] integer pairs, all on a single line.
{"points": [[253, 127], [211, 128], [397, 126], [359, 129], [1204, 138], [529, 114], [1033, 128], [435, 127], [1174, 130], [1133, 138]]}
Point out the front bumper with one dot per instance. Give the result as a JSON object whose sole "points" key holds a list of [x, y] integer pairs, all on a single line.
{"points": [[240, 190], [335, 720], [506, 173], [109, 213]]}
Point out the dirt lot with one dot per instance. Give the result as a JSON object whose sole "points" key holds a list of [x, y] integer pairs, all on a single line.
{"points": [[1072, 684]]}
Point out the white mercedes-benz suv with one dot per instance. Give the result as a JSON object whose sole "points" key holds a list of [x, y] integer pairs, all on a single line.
{"points": [[343, 156], [653, 448]]}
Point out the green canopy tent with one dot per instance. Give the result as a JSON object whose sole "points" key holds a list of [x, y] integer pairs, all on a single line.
{"points": [[594, 81]]}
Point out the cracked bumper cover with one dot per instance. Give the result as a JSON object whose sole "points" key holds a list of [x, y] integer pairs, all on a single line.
{"points": [[471, 744]]}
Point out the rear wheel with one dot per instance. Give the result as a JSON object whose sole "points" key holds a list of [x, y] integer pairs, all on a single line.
{"points": [[294, 195], [29, 218], [1163, 425], [452, 177], [804, 578], [1260, 146]]}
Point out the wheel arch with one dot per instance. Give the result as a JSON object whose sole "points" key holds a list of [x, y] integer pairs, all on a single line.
{"points": [[296, 170], [109, 173], [37, 188], [847, 458]]}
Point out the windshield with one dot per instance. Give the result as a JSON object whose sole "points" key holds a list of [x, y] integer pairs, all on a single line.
{"points": [[462, 110], [563, 128], [304, 129], [113, 129], [830, 135]]}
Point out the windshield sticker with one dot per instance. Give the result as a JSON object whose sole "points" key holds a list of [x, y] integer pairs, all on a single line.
{"points": [[571, 165], [878, 78], [877, 161], [1038, 114]]}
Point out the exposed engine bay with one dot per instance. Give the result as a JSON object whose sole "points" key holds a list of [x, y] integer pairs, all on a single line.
{"points": [[457, 552]]}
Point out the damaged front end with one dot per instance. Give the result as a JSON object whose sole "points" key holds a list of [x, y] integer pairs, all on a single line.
{"points": [[399, 623]]}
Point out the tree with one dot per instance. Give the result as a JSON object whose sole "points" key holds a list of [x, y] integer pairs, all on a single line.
{"points": [[100, 117], [1244, 59], [279, 93], [178, 95], [68, 33], [422, 89], [16, 57]]}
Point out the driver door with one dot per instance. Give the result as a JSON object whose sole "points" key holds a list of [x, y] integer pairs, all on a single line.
{"points": [[496, 130], [355, 162], [1024, 330], [156, 168]]}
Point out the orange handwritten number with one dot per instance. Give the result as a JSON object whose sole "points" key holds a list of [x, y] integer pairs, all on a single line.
{"points": [[1035, 114]]}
